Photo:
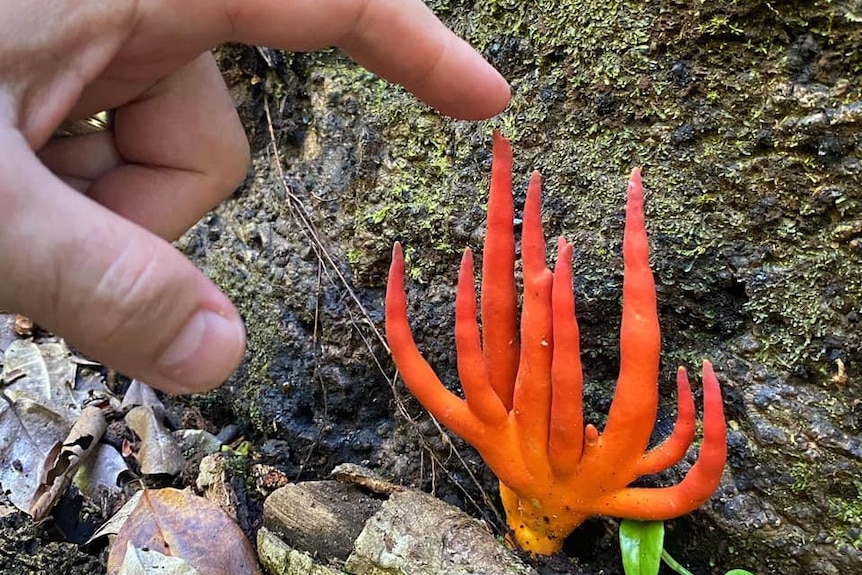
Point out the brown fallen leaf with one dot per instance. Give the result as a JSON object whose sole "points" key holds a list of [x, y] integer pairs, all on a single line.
{"points": [[65, 458], [158, 452], [180, 524]]}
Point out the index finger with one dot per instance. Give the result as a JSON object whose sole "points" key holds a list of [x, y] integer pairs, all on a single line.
{"points": [[400, 40]]}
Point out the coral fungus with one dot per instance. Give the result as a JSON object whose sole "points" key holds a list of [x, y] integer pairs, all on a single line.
{"points": [[523, 407]]}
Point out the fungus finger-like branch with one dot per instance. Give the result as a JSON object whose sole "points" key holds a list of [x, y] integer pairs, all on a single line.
{"points": [[566, 435], [532, 398], [701, 481], [481, 397], [635, 405], [499, 297], [705, 475], [448, 408], [672, 449]]}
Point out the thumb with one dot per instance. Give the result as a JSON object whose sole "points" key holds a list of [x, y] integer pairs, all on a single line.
{"points": [[114, 290]]}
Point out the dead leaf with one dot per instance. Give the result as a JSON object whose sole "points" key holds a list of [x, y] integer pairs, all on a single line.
{"points": [[113, 525], [158, 452], [101, 471], [46, 372], [64, 460], [146, 562], [28, 431], [139, 393], [7, 331], [24, 359], [61, 374], [180, 524], [39, 404]]}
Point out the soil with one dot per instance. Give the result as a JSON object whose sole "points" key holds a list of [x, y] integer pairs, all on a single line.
{"points": [[31, 549]]}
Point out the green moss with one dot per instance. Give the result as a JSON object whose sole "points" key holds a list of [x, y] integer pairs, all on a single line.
{"points": [[261, 317], [803, 474], [848, 513], [567, 60]]}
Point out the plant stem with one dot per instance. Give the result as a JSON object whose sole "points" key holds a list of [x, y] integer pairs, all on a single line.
{"points": [[673, 564]]}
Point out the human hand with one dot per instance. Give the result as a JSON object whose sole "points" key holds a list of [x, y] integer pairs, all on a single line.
{"points": [[85, 221]]}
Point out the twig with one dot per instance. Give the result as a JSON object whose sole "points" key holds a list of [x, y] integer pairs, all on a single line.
{"points": [[328, 267]]}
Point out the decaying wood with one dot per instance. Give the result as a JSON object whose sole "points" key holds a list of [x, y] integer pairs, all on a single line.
{"points": [[321, 518], [415, 533], [402, 531], [217, 484], [279, 558], [365, 478]]}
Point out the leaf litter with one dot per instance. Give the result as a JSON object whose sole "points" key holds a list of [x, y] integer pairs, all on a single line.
{"points": [[43, 398], [53, 408], [180, 524]]}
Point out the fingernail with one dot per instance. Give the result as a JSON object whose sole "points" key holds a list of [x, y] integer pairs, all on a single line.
{"points": [[204, 353]]}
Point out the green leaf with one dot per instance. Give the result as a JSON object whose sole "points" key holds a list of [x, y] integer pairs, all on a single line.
{"points": [[641, 544], [739, 572]]}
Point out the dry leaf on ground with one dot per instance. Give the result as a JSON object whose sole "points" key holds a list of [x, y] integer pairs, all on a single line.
{"points": [[180, 524], [40, 401], [139, 393], [28, 431], [101, 471], [36, 371], [65, 458], [145, 562], [158, 452]]}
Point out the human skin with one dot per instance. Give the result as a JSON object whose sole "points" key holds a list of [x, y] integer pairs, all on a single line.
{"points": [[85, 222]]}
